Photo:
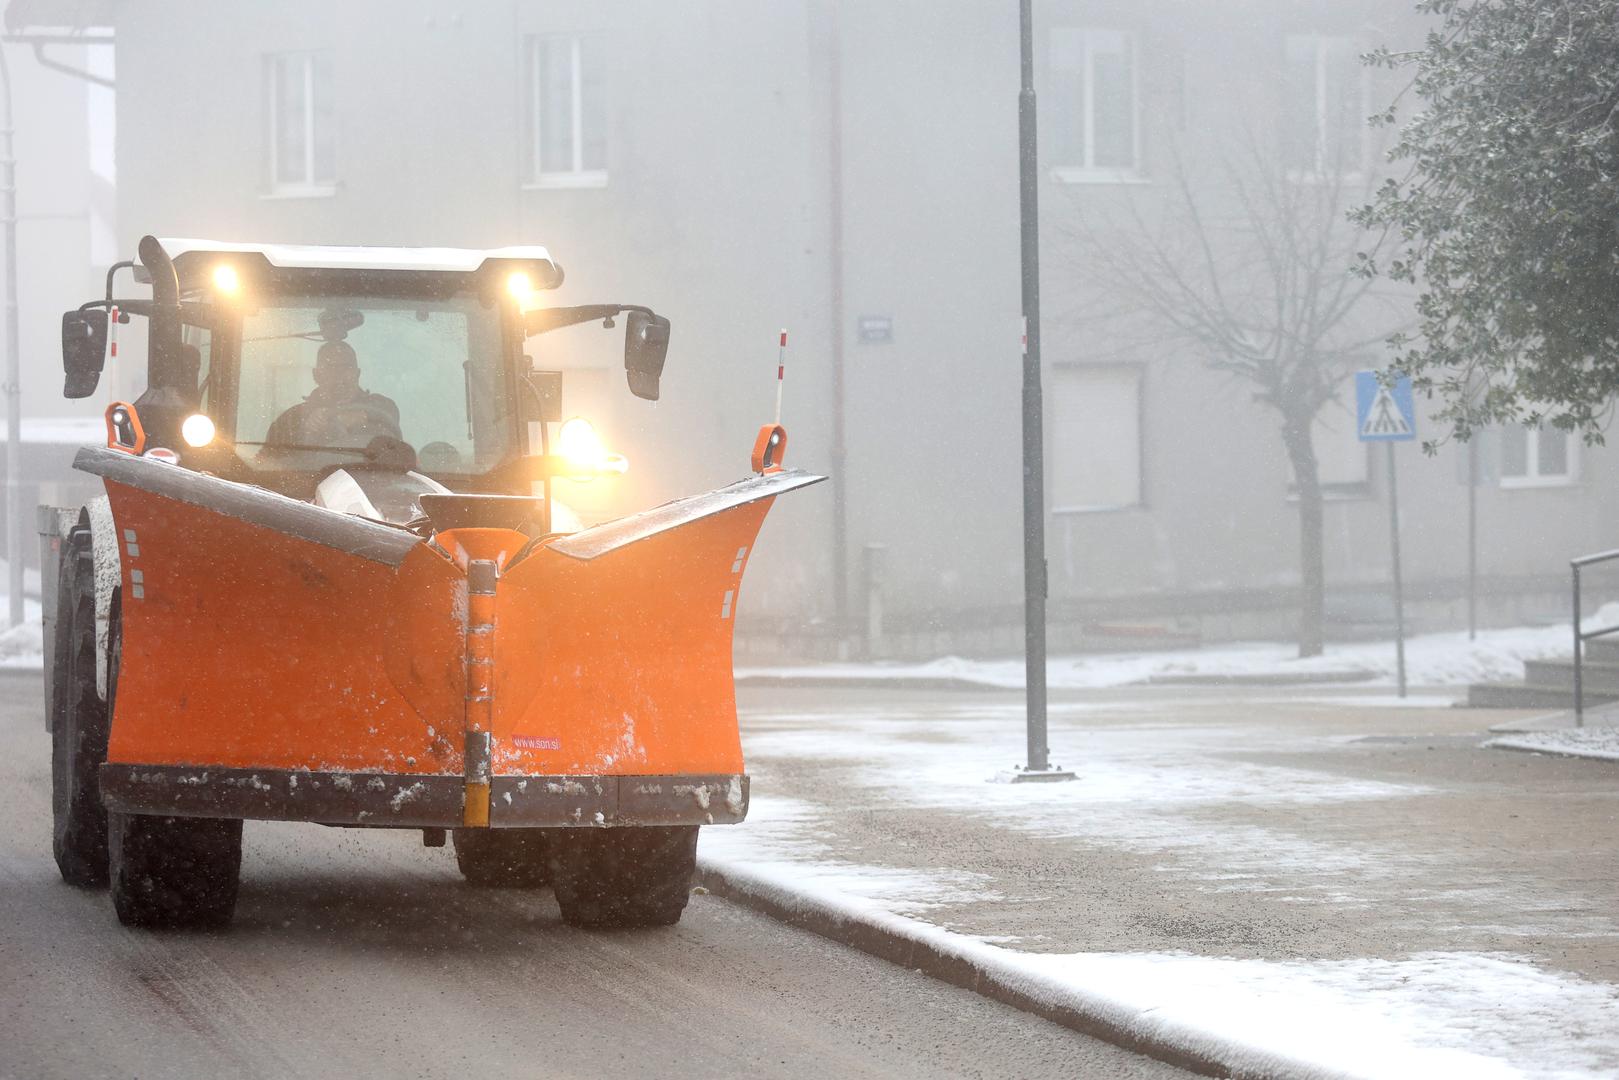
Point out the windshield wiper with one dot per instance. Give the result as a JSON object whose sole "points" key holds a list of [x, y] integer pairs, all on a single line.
{"points": [[359, 451]]}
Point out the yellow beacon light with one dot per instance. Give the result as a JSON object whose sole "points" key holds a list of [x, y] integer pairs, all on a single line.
{"points": [[226, 280], [197, 430]]}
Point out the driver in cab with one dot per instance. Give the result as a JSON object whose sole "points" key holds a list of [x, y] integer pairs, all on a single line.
{"points": [[339, 412]]}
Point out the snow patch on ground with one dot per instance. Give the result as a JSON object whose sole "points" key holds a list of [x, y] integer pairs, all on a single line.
{"points": [[22, 647], [1430, 1014], [1602, 742], [1447, 659]]}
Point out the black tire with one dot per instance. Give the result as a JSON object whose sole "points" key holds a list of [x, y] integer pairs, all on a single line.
{"points": [[169, 871], [502, 858], [174, 871], [623, 877], [78, 726]]}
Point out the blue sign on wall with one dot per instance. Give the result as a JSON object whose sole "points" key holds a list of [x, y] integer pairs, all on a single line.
{"points": [[1384, 413]]}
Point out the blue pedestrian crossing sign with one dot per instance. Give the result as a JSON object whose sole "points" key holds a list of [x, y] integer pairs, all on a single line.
{"points": [[1384, 413]]}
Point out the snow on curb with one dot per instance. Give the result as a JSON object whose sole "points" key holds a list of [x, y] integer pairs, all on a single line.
{"points": [[1212, 1015], [1600, 743]]}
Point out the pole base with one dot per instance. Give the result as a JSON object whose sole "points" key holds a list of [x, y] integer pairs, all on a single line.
{"points": [[1055, 774]]}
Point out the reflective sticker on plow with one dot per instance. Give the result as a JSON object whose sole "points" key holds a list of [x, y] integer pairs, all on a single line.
{"points": [[741, 554], [725, 610]]}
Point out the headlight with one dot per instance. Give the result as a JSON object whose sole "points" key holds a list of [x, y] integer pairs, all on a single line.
{"points": [[582, 449], [197, 430], [226, 280]]}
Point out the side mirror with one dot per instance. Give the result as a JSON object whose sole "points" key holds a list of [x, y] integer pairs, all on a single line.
{"points": [[84, 351], [646, 345]]}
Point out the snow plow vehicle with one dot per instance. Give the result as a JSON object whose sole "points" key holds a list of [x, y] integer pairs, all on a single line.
{"points": [[306, 600]]}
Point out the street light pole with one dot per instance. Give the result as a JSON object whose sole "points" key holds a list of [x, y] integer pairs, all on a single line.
{"points": [[13, 384], [1035, 590]]}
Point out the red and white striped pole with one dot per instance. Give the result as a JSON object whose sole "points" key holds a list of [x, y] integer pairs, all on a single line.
{"points": [[112, 330], [781, 370]]}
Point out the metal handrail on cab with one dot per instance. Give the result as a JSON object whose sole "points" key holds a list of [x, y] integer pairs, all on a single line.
{"points": [[1582, 636]]}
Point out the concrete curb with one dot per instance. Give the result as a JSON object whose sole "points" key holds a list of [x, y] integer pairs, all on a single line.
{"points": [[886, 943], [1526, 747], [1597, 716]]}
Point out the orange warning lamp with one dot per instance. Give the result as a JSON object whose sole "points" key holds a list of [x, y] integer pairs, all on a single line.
{"points": [[769, 449], [124, 430]]}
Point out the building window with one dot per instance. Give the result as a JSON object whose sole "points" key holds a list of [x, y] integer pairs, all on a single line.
{"points": [[567, 111], [1095, 438], [1323, 107], [1094, 127], [302, 134], [1533, 457]]}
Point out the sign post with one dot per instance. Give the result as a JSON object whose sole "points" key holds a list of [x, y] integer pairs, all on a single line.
{"points": [[1386, 413]]}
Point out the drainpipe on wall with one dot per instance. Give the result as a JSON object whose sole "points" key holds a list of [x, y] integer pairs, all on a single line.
{"points": [[840, 478], [13, 383]]}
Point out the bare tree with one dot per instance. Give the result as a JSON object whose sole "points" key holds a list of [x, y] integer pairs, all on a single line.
{"points": [[1250, 268]]}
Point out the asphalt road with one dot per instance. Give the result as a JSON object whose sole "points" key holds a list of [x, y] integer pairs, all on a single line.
{"points": [[362, 953]]}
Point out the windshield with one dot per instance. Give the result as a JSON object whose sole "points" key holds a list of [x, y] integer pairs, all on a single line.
{"points": [[320, 382]]}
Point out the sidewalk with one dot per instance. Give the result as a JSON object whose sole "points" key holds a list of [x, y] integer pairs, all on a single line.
{"points": [[1279, 882], [1440, 659]]}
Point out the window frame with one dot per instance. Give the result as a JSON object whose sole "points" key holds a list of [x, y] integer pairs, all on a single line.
{"points": [[1356, 163], [1085, 172], [310, 186], [1139, 372], [577, 176], [1532, 477], [1320, 434]]}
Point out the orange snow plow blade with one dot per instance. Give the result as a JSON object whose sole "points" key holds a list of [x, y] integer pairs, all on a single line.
{"points": [[281, 660]]}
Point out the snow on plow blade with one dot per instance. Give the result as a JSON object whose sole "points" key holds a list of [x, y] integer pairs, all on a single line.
{"points": [[281, 660]]}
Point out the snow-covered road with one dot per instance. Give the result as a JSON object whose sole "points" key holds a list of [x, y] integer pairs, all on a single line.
{"points": [[360, 953]]}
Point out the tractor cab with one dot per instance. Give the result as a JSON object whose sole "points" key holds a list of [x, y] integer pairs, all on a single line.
{"points": [[357, 378]]}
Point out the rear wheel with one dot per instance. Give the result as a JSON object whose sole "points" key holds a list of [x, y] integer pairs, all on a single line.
{"points": [[502, 858], [627, 876], [174, 871], [78, 726]]}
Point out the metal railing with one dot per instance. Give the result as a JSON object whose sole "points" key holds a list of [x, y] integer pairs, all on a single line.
{"points": [[1582, 636]]}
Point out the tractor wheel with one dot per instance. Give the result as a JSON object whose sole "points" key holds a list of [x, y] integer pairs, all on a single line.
{"points": [[174, 871], [627, 876], [502, 858], [78, 726]]}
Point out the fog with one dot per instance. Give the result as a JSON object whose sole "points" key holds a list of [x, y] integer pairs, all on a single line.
{"points": [[849, 172]]}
